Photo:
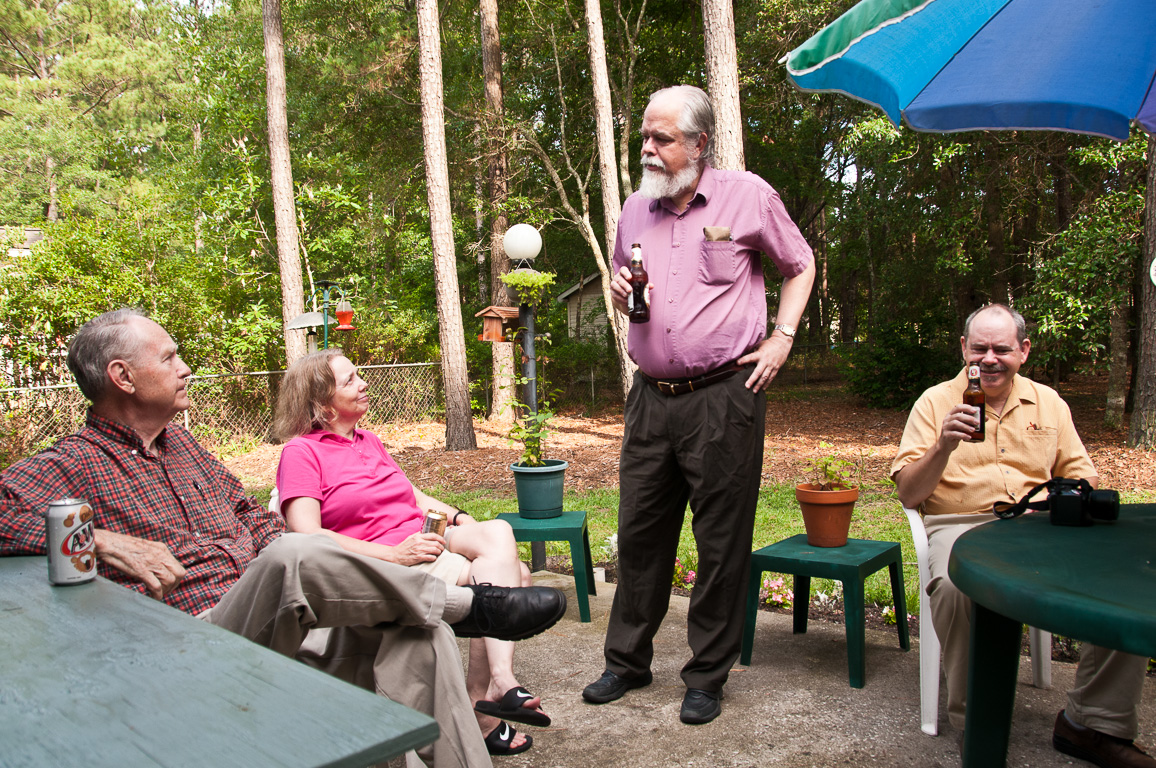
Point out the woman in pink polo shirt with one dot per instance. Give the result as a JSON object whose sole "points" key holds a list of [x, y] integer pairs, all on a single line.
{"points": [[339, 480]]}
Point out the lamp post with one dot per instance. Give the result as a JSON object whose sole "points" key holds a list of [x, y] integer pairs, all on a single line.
{"points": [[523, 243]]}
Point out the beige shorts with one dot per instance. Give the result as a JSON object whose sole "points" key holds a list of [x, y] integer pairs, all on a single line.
{"points": [[448, 567]]}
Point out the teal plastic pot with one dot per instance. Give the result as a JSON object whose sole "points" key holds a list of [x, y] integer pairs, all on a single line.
{"points": [[540, 488]]}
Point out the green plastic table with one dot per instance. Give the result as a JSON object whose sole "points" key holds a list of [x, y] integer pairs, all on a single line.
{"points": [[1092, 584], [101, 676], [850, 564], [569, 527]]}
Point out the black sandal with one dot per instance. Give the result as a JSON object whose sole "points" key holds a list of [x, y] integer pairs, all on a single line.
{"points": [[499, 740]]}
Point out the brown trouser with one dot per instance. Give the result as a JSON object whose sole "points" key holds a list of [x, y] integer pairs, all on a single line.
{"points": [[369, 622], [705, 447], [1109, 683]]}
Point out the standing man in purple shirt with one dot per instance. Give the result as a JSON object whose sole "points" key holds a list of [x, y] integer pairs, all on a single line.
{"points": [[695, 417]]}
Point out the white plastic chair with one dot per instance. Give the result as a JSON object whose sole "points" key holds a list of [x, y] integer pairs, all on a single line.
{"points": [[1039, 641]]}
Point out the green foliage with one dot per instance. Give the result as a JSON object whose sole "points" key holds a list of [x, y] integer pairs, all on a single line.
{"points": [[530, 286], [832, 473], [894, 370], [1089, 276]]}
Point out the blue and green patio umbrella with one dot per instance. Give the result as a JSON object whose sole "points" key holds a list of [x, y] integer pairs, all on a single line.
{"points": [[940, 66]]}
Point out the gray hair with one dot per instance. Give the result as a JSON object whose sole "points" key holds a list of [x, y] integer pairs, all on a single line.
{"points": [[1017, 318], [697, 116], [98, 342]]}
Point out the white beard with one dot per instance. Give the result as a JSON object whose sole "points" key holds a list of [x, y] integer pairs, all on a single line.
{"points": [[659, 184]]}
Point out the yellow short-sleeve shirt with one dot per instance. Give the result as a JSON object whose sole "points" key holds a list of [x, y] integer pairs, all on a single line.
{"points": [[1033, 441]]}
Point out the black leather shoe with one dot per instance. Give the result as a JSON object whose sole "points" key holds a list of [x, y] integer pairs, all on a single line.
{"points": [[699, 706], [1096, 747], [511, 613], [611, 686]]}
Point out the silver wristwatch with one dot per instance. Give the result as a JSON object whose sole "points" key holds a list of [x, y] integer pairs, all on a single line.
{"points": [[788, 330]]}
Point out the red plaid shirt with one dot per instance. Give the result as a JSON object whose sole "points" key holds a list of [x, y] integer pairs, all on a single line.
{"points": [[181, 496]]}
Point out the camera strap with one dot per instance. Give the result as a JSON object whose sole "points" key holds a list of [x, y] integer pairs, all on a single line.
{"points": [[1007, 511]]}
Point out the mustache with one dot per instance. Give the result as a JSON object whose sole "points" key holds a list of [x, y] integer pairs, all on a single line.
{"points": [[653, 162], [997, 368]]}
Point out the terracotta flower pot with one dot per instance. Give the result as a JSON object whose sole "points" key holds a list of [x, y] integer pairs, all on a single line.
{"points": [[826, 514]]}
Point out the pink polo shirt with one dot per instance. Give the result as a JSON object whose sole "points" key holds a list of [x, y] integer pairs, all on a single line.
{"points": [[363, 492], [709, 303]]}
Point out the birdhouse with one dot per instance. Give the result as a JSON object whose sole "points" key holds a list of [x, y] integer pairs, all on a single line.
{"points": [[497, 323]]}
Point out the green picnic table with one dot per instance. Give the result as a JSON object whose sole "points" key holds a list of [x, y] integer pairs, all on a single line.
{"points": [[1088, 583], [99, 675]]}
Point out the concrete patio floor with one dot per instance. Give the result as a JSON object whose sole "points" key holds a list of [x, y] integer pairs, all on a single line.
{"points": [[791, 707]]}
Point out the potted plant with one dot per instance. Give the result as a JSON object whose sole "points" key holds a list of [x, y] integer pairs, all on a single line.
{"points": [[828, 501], [538, 482]]}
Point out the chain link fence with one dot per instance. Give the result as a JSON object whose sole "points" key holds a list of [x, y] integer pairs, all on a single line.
{"points": [[228, 413]]}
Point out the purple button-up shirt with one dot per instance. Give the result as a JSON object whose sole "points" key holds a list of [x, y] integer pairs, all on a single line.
{"points": [[708, 305]]}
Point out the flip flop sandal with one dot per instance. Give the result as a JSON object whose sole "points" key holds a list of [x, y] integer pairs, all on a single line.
{"points": [[500, 739], [510, 708]]}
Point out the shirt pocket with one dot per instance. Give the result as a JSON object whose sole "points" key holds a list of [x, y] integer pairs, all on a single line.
{"points": [[1043, 442], [718, 262]]}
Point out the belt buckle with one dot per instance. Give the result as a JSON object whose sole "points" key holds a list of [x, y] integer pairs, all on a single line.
{"points": [[669, 387]]}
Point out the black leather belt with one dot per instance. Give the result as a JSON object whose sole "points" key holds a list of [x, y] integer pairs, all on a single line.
{"points": [[675, 387]]}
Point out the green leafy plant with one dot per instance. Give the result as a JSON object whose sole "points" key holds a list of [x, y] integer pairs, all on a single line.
{"points": [[833, 473], [531, 286], [529, 430]]}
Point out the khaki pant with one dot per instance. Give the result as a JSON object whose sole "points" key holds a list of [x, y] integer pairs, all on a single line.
{"points": [[369, 622], [1108, 683]]}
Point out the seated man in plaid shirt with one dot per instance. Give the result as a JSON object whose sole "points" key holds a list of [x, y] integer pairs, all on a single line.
{"points": [[173, 522]]}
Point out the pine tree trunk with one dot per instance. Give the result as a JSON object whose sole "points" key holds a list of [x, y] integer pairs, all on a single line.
{"points": [[502, 360], [1143, 428], [459, 421], [608, 172], [1117, 366], [281, 178], [722, 79]]}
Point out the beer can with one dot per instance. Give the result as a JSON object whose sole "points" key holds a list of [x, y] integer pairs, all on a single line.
{"points": [[71, 542], [434, 522]]}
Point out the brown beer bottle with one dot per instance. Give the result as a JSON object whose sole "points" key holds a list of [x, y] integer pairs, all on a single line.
{"points": [[638, 301], [973, 395]]}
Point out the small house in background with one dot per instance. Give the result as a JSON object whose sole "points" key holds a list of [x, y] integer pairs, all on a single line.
{"points": [[585, 308], [19, 240]]}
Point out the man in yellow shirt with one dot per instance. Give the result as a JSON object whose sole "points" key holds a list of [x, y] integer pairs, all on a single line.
{"points": [[1030, 439]]}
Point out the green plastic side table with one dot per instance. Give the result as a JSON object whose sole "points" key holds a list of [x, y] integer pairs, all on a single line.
{"points": [[569, 527], [850, 564]]}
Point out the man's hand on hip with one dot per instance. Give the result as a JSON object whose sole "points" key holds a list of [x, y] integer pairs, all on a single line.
{"points": [[149, 562], [768, 358]]}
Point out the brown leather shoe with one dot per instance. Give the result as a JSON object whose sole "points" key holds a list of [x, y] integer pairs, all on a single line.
{"points": [[1096, 747]]}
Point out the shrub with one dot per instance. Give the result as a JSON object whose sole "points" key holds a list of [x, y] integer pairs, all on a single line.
{"points": [[895, 370]]}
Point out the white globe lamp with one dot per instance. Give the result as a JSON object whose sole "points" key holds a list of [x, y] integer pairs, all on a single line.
{"points": [[523, 243]]}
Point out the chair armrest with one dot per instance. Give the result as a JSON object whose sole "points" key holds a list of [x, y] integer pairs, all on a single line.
{"points": [[919, 537]]}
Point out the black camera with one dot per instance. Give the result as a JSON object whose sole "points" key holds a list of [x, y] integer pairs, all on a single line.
{"points": [[1069, 502]]}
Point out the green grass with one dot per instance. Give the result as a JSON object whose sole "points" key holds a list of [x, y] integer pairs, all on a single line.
{"points": [[877, 516]]}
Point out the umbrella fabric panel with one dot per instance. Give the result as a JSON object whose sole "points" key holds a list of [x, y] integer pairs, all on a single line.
{"points": [[951, 65], [1077, 65], [884, 52]]}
